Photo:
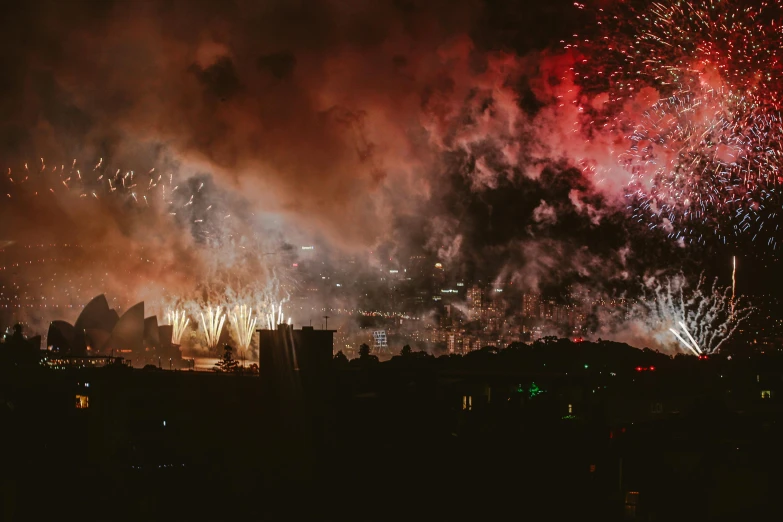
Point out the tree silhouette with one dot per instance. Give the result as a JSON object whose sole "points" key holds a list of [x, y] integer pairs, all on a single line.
{"points": [[340, 359], [227, 363], [365, 358], [406, 351], [18, 348], [17, 336]]}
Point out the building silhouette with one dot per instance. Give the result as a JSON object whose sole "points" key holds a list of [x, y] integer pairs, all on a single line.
{"points": [[101, 331], [297, 384]]}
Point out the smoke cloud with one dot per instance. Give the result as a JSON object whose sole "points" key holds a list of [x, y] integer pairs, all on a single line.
{"points": [[399, 127]]}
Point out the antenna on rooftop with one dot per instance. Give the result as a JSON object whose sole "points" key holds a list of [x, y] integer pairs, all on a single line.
{"points": [[327, 322]]}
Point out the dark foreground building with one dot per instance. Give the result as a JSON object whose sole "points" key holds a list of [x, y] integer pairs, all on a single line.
{"points": [[297, 393]]}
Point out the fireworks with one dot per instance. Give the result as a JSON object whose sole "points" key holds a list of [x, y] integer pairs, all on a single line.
{"points": [[695, 320], [122, 191], [675, 45], [733, 282], [275, 316], [212, 325], [178, 322], [244, 325], [692, 345], [244, 298], [704, 161]]}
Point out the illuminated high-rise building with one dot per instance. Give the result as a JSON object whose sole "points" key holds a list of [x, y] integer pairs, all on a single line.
{"points": [[475, 301], [530, 305], [494, 310], [549, 309], [455, 342]]}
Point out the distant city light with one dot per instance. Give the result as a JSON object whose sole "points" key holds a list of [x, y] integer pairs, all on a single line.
{"points": [[393, 271], [460, 284], [438, 265], [308, 248], [295, 264]]}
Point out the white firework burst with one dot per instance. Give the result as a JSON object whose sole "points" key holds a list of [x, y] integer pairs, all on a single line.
{"points": [[696, 320], [212, 325]]}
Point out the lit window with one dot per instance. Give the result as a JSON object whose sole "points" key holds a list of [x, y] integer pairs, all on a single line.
{"points": [[631, 501], [82, 402], [570, 408], [467, 402], [766, 394]]}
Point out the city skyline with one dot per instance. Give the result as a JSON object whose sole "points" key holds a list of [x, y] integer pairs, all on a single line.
{"points": [[394, 170]]}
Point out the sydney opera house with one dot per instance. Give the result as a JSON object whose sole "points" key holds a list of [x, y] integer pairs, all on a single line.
{"points": [[101, 331]]}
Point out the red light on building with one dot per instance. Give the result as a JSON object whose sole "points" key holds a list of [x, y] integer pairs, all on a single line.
{"points": [[638, 368], [652, 368], [295, 264]]}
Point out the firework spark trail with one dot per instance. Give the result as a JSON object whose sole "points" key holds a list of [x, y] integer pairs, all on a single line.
{"points": [[684, 342], [244, 326], [733, 283], [179, 322], [702, 314], [693, 341], [63, 183], [212, 325], [275, 316]]}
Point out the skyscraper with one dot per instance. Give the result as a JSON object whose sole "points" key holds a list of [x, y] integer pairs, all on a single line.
{"points": [[475, 301], [530, 305]]}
